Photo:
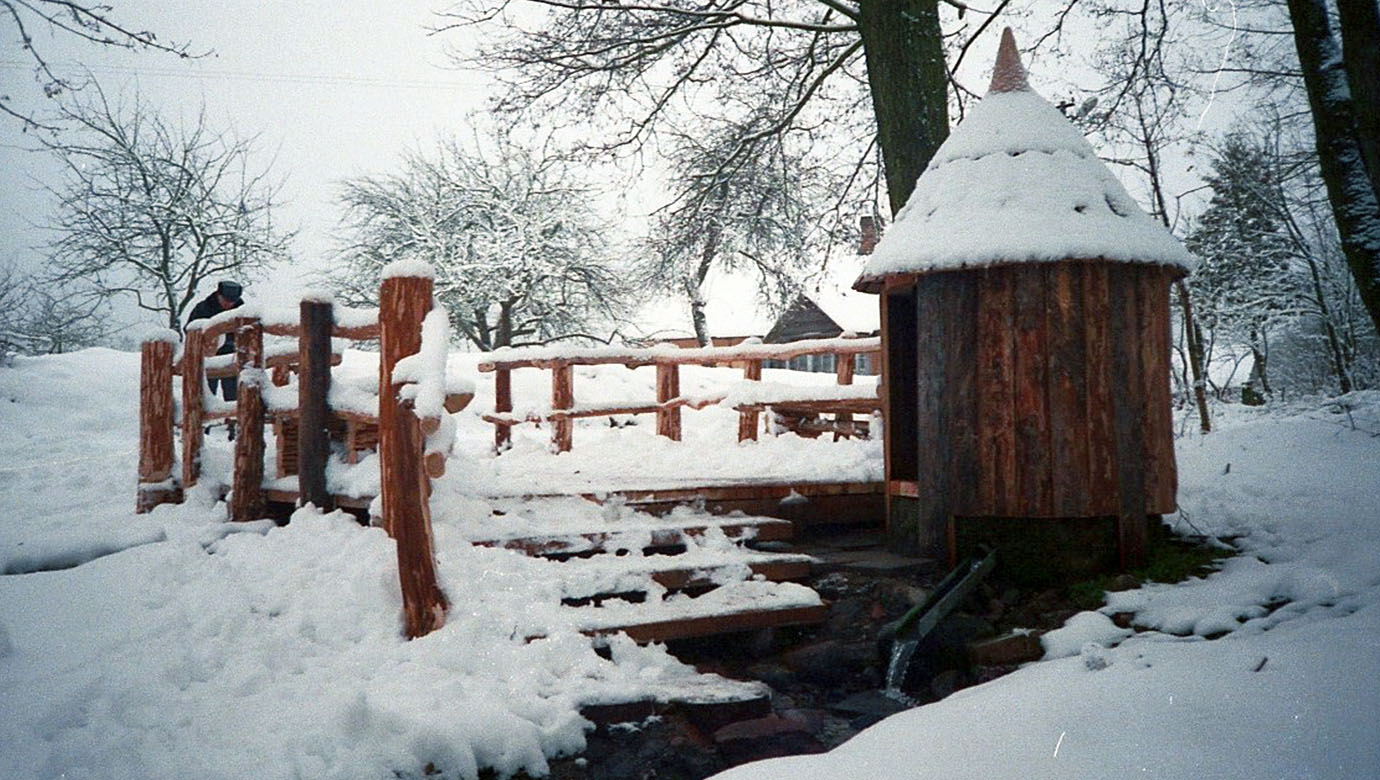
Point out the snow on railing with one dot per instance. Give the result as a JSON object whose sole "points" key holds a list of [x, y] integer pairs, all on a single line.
{"points": [[799, 407]]}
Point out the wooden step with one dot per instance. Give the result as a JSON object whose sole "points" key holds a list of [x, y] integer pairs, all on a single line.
{"points": [[673, 574], [664, 630], [760, 529]]}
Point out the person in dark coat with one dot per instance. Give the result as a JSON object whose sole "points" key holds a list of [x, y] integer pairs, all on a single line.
{"points": [[225, 298]]}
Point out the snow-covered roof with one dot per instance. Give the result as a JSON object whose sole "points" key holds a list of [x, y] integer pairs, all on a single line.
{"points": [[1016, 182]]}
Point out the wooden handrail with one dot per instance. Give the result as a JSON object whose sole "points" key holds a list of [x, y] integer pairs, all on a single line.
{"points": [[651, 356], [668, 404]]}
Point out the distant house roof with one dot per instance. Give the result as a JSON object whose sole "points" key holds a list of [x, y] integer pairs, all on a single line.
{"points": [[1017, 182], [803, 319]]}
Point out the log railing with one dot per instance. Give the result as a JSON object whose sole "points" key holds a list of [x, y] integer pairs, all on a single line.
{"points": [[805, 402], [408, 444]]}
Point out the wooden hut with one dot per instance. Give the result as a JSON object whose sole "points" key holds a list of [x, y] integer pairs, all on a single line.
{"points": [[1026, 341]]}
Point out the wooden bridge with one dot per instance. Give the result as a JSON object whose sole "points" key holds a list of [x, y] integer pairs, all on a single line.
{"points": [[411, 438]]}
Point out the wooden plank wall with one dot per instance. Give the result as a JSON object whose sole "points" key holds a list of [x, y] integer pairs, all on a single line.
{"points": [[1042, 391]]}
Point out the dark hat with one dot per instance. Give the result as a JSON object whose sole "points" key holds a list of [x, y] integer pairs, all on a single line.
{"points": [[230, 291]]}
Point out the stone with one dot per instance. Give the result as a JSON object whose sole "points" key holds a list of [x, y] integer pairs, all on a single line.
{"points": [[812, 720], [1008, 650], [869, 703], [710, 716], [945, 683], [827, 662], [769, 737]]}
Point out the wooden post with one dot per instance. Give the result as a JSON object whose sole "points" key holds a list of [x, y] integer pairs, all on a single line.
{"points": [[313, 411], [667, 388], [403, 303], [503, 403], [193, 400], [747, 421], [1128, 416], [562, 397], [248, 503], [155, 425], [844, 366]]}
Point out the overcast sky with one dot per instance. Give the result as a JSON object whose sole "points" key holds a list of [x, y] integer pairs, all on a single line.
{"points": [[334, 89]]}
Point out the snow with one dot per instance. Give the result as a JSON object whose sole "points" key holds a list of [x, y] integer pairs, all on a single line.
{"points": [[174, 644], [1286, 688], [1015, 182], [165, 335], [410, 267]]}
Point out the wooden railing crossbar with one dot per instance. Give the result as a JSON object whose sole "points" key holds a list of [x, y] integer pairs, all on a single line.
{"points": [[669, 401]]}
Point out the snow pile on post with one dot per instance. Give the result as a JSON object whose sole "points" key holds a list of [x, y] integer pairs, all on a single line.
{"points": [[424, 384], [1016, 182]]}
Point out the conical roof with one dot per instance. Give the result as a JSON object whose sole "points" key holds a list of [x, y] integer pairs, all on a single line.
{"points": [[1016, 182]]}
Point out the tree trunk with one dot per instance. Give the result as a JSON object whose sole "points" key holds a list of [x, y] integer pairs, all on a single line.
{"points": [[1360, 23], [1325, 311], [696, 286], [908, 78], [1355, 206], [1195, 356]]}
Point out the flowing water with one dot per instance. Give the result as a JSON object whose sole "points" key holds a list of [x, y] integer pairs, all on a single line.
{"points": [[901, 652]]}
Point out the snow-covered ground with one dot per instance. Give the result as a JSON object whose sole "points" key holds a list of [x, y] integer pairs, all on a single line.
{"points": [[177, 645], [1289, 685]]}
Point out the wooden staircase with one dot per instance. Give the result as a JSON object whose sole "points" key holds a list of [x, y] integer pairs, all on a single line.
{"points": [[685, 575]]}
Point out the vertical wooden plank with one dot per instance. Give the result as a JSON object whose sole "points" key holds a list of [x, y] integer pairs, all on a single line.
{"points": [[313, 410], [1160, 477], [1033, 468], [193, 400], [960, 390], [403, 303], [503, 403], [1099, 411], [934, 329], [1067, 390], [899, 364], [667, 388], [996, 396], [1128, 415], [748, 421], [155, 425], [248, 500], [562, 397]]}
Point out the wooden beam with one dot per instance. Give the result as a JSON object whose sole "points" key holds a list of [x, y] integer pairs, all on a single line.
{"points": [[248, 503], [313, 410], [503, 404], [403, 303], [562, 398], [193, 405], [697, 356], [709, 625], [748, 418], [155, 426], [667, 388]]}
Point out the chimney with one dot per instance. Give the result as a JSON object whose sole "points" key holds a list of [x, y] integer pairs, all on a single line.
{"points": [[868, 241]]}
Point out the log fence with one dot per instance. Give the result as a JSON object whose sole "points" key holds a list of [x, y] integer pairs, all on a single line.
{"points": [[799, 410], [304, 432]]}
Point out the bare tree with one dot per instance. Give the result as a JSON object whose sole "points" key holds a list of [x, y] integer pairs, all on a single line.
{"points": [[93, 23], [860, 76], [35, 319], [1344, 100], [754, 215], [520, 255], [150, 210]]}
